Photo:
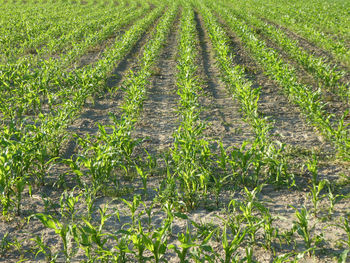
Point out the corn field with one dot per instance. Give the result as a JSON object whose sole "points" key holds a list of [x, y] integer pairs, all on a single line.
{"points": [[174, 131]]}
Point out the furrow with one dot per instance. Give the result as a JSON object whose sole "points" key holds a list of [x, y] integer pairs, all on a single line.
{"points": [[159, 120], [220, 110]]}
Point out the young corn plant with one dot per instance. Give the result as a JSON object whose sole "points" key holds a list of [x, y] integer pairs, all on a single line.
{"points": [[148, 211], [230, 247], [304, 230], [203, 251], [264, 152], [285, 75], [346, 227], [15, 162], [270, 232], [316, 187], [186, 243], [121, 251], [137, 238], [68, 203], [218, 185], [42, 248], [333, 199], [190, 153], [144, 175], [248, 208], [133, 207], [89, 235], [64, 230], [156, 242]]}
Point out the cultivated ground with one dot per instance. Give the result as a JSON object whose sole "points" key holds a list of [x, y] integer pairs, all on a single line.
{"points": [[148, 154]]}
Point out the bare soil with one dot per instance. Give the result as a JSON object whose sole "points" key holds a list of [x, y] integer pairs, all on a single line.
{"points": [[159, 118], [220, 110]]}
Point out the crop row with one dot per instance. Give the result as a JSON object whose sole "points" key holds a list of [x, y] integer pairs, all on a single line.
{"points": [[112, 201], [143, 240], [27, 90], [190, 153], [307, 99], [299, 22], [264, 153], [327, 74], [108, 154], [28, 150], [61, 31]]}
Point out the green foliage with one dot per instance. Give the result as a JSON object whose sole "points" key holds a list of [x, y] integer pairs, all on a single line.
{"points": [[47, 79]]}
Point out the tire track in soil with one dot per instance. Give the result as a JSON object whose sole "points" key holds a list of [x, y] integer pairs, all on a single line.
{"points": [[220, 110], [98, 110], [159, 119]]}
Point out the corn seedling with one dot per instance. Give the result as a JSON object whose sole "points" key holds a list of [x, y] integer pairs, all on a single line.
{"points": [[316, 187]]}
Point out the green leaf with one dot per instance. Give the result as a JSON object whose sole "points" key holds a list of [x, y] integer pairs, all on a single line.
{"points": [[343, 256], [181, 215], [47, 221]]}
